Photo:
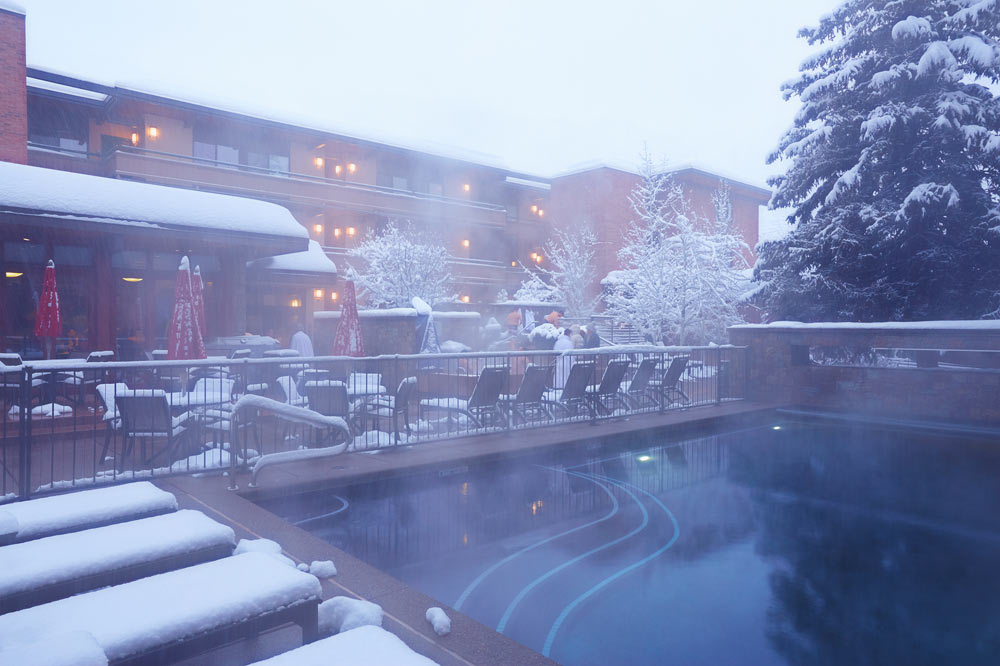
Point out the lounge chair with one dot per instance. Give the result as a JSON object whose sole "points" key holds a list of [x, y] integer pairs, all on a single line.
{"points": [[146, 417], [56, 567], [637, 394], [377, 646], [81, 510], [666, 387], [573, 394], [392, 406], [172, 616], [608, 394], [528, 401], [482, 406]]}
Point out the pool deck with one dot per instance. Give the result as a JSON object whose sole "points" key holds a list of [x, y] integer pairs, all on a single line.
{"points": [[469, 641]]}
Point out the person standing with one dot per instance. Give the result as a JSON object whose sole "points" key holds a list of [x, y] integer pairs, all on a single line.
{"points": [[564, 344], [593, 339], [301, 343]]}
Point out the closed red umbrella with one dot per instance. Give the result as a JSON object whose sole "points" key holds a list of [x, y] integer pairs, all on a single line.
{"points": [[48, 320], [347, 341], [184, 340], [198, 299]]}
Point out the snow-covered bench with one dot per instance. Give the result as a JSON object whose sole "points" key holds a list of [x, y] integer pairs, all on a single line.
{"points": [[175, 615], [363, 646], [43, 570], [72, 512]]}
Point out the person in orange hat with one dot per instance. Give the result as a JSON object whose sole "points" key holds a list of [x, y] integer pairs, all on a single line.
{"points": [[553, 318]]}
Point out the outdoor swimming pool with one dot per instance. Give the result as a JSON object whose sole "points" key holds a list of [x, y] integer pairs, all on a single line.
{"points": [[792, 542]]}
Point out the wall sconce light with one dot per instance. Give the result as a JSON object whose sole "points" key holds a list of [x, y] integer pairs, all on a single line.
{"points": [[466, 187], [534, 208], [351, 231], [538, 258], [318, 228], [336, 232], [534, 255], [334, 295], [12, 274], [352, 167], [513, 263], [132, 279], [466, 243], [153, 132], [541, 212], [338, 169], [318, 294], [318, 161], [465, 299], [295, 303], [135, 138]]}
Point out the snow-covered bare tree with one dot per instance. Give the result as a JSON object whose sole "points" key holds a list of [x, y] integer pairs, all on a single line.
{"points": [[399, 264], [536, 290], [683, 276], [893, 167], [570, 252]]}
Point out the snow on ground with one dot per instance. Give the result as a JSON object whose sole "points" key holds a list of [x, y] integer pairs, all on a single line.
{"points": [[341, 614], [364, 646], [52, 514], [8, 523], [35, 564], [139, 616], [48, 410], [439, 620], [323, 569], [74, 648]]}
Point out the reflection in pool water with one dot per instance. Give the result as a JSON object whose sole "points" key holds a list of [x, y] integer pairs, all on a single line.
{"points": [[812, 543]]}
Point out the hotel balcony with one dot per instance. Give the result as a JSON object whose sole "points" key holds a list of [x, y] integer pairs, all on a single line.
{"points": [[467, 271], [296, 189]]}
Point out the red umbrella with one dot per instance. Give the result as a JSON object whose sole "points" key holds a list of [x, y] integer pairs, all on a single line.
{"points": [[48, 321], [347, 341], [184, 338], [198, 299]]}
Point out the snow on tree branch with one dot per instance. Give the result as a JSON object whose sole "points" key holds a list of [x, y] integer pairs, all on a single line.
{"points": [[400, 264]]}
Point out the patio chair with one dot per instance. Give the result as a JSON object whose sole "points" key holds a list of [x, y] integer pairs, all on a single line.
{"points": [[392, 406], [329, 398], [289, 392], [10, 381], [77, 384], [482, 405], [146, 416], [239, 354], [107, 393], [666, 387], [573, 394], [637, 392], [607, 395], [528, 401]]}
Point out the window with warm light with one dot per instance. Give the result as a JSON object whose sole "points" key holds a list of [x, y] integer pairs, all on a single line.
{"points": [[513, 263], [135, 138], [132, 279], [319, 162], [466, 244], [466, 187], [13, 274], [338, 169], [534, 255], [541, 212], [352, 167], [334, 295], [538, 258], [351, 231], [318, 294], [295, 303], [153, 132], [318, 228], [534, 208], [465, 299], [336, 232]]}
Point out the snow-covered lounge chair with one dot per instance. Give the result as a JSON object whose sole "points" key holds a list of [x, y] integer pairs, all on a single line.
{"points": [[483, 403], [573, 395], [146, 417], [363, 645], [608, 394], [392, 406], [637, 391], [667, 385], [175, 615], [43, 570], [290, 392], [527, 402], [72, 512]]}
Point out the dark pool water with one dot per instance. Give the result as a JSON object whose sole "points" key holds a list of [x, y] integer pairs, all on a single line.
{"points": [[792, 542]]}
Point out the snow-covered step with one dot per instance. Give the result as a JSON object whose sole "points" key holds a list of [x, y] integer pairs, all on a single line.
{"points": [[363, 646], [72, 512], [177, 614], [43, 570]]}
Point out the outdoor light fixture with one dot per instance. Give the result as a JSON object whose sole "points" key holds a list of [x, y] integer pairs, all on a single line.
{"points": [[465, 299], [775, 427], [135, 138], [26, 239], [513, 263], [318, 162], [337, 169], [534, 255], [318, 228], [318, 294], [12, 274], [132, 279], [541, 212], [334, 295], [154, 132], [295, 303], [534, 208], [538, 258], [466, 243], [466, 187], [352, 167], [336, 232], [351, 231]]}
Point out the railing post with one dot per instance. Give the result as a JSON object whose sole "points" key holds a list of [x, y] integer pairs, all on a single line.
{"points": [[24, 436], [718, 375], [661, 370]]}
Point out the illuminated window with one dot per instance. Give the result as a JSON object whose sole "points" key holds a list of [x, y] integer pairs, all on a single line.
{"points": [[336, 232], [352, 167], [318, 228], [318, 294], [513, 263], [465, 299], [131, 279], [466, 187], [154, 133], [338, 169], [318, 162], [541, 212], [534, 208], [295, 303], [334, 295], [135, 138], [466, 243], [351, 231]]}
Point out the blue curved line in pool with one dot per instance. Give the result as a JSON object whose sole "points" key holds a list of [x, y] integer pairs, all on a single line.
{"points": [[547, 648], [326, 515], [551, 572], [479, 579]]}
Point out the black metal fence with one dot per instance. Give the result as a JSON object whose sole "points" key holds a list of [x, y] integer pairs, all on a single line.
{"points": [[74, 423]]}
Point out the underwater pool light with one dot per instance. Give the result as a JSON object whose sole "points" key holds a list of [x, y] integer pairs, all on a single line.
{"points": [[644, 458], [775, 427]]}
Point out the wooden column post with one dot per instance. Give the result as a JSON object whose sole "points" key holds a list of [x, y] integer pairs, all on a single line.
{"points": [[102, 304]]}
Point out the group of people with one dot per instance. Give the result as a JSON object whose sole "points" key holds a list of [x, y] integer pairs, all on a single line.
{"points": [[577, 337]]}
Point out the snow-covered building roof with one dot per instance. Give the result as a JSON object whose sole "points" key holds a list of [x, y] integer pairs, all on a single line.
{"points": [[63, 89], [312, 260], [35, 190]]}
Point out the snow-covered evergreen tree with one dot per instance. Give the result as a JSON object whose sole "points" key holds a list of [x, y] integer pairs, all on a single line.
{"points": [[399, 264], [573, 276], [683, 275], [894, 167]]}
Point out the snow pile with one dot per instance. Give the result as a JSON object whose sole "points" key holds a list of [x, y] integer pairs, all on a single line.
{"points": [[75, 648], [41, 562], [323, 569], [49, 515], [546, 331], [48, 410], [439, 620], [265, 546], [454, 347], [912, 27], [420, 305], [364, 646], [133, 203], [342, 614]]}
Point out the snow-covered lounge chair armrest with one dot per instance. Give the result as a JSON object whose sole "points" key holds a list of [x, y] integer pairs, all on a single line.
{"points": [[363, 645]]}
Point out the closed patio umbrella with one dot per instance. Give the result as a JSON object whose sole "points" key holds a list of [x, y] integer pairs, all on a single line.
{"points": [[48, 320], [198, 300], [347, 341], [184, 340]]}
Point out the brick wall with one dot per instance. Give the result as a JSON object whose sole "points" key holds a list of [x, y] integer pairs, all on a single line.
{"points": [[779, 370], [13, 89]]}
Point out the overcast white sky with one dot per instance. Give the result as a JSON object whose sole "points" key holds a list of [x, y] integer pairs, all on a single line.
{"points": [[540, 85]]}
